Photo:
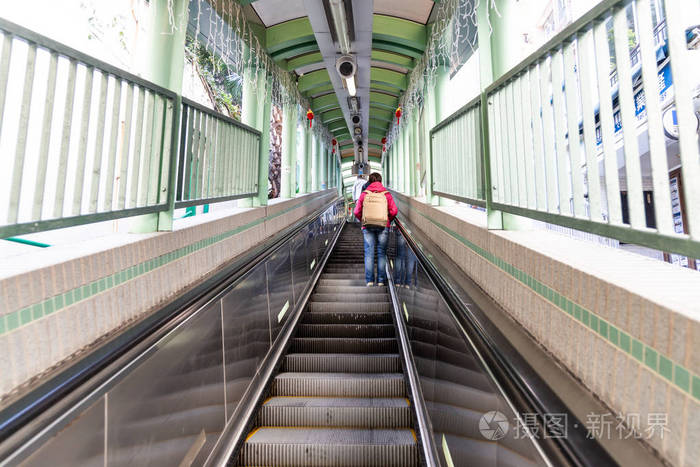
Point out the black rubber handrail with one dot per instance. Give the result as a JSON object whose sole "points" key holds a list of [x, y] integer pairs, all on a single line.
{"points": [[28, 415], [523, 387]]}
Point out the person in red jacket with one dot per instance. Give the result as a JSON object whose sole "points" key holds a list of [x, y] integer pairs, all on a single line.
{"points": [[376, 236]]}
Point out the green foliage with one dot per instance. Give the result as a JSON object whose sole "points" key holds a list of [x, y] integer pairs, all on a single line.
{"points": [[224, 84]]}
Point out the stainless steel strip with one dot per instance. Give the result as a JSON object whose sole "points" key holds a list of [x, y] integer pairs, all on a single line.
{"points": [[425, 429]]}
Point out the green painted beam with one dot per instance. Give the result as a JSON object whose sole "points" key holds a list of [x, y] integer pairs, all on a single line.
{"points": [[324, 103], [332, 116], [400, 31], [382, 76], [383, 100], [346, 146], [375, 159], [314, 80], [384, 88], [376, 134], [320, 90], [374, 145], [377, 122], [290, 39], [389, 46], [337, 127], [345, 135], [393, 58], [304, 60], [381, 113], [380, 106]]}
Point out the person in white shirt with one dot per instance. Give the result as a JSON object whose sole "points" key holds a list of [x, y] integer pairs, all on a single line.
{"points": [[357, 187], [356, 192]]}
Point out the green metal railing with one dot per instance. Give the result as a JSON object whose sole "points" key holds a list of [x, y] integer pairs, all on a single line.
{"points": [[456, 156], [218, 157], [534, 167], [90, 142]]}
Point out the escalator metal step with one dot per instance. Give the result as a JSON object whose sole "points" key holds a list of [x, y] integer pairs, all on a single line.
{"points": [[341, 412], [339, 384], [345, 363], [365, 307], [340, 345], [347, 317], [346, 330], [361, 289], [344, 275], [330, 447], [350, 298], [340, 282]]}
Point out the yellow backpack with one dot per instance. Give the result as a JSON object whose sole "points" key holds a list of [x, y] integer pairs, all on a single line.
{"points": [[375, 209]]}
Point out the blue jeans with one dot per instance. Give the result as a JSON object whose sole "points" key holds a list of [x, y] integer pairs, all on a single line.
{"points": [[375, 236], [404, 263]]}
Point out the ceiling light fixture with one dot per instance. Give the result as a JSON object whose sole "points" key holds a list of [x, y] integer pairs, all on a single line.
{"points": [[341, 25], [350, 82]]}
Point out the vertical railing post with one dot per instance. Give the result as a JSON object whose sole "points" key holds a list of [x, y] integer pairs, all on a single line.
{"points": [[264, 153]]}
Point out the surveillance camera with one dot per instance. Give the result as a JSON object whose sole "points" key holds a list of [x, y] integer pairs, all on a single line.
{"points": [[356, 119], [346, 66]]}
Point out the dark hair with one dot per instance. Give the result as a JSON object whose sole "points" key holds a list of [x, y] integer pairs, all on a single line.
{"points": [[375, 177]]}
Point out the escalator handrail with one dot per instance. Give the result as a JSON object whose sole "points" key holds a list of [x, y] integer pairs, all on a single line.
{"points": [[521, 385], [428, 448], [27, 417]]}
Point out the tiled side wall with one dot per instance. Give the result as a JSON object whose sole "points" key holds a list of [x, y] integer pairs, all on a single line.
{"points": [[604, 324], [49, 314]]}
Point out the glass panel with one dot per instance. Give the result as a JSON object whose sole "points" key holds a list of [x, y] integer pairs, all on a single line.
{"points": [[279, 288], [458, 394], [246, 333], [173, 401], [80, 443]]}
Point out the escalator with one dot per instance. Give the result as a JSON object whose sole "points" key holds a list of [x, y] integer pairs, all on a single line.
{"points": [[293, 360], [340, 398]]}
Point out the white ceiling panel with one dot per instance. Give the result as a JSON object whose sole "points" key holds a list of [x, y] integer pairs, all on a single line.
{"points": [[273, 12], [414, 10]]}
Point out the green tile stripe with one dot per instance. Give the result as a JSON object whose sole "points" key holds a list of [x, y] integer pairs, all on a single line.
{"points": [[16, 319], [677, 374]]}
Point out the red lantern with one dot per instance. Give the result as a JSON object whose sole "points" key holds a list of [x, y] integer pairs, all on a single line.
{"points": [[398, 115], [310, 116], [384, 144], [333, 143]]}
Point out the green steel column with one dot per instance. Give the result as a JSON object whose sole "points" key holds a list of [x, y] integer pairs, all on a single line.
{"points": [[494, 219], [249, 109], [415, 150], [442, 79], [314, 164], [301, 159], [294, 154], [429, 107], [288, 124], [163, 62], [406, 160], [324, 168], [305, 169], [249, 104], [264, 159]]}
